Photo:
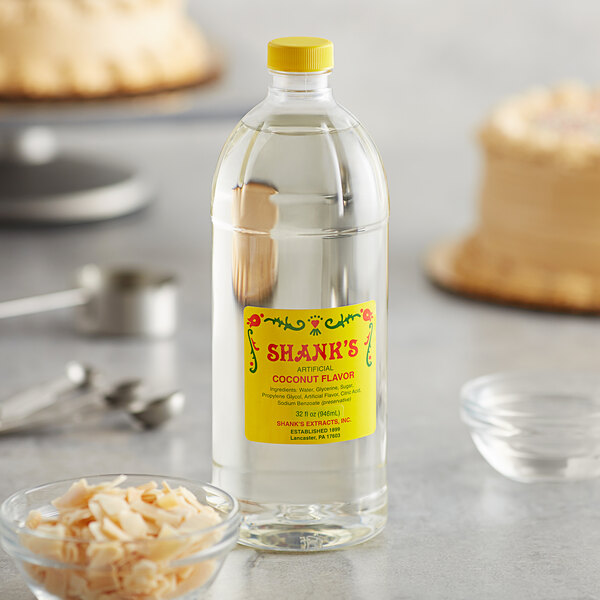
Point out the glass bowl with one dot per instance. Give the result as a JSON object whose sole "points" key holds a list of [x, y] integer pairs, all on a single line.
{"points": [[536, 426], [146, 571]]}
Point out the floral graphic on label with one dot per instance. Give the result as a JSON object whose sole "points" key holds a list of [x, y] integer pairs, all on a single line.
{"points": [[315, 320], [342, 322], [253, 321], [300, 324], [368, 317]]}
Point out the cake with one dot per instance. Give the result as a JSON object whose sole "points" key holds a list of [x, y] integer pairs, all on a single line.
{"points": [[537, 241], [69, 49]]}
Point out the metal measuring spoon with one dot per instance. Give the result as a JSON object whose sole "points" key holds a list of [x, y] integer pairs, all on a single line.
{"points": [[78, 377], [159, 410], [111, 301], [151, 413], [128, 397]]}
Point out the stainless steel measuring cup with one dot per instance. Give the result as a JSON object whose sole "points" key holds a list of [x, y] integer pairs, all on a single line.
{"points": [[111, 301]]}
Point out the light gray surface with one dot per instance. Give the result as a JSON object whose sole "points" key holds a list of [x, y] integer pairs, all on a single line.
{"points": [[457, 530]]}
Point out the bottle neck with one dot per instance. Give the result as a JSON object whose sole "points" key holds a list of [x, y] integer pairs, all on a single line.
{"points": [[300, 85]]}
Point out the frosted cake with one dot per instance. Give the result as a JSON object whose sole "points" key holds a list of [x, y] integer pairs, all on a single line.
{"points": [[69, 49], [537, 241]]}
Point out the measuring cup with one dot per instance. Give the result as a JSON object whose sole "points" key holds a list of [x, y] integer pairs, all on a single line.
{"points": [[111, 301]]}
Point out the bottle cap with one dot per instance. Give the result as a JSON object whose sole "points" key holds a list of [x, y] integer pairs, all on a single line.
{"points": [[300, 54]]}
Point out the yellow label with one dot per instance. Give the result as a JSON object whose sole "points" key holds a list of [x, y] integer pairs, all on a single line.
{"points": [[310, 375]]}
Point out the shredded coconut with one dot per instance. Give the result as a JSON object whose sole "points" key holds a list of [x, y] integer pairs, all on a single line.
{"points": [[126, 541]]}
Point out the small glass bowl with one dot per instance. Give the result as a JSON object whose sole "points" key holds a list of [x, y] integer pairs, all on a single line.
{"points": [[51, 579], [536, 426]]}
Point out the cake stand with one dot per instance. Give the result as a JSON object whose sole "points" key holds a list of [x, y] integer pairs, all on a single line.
{"points": [[39, 183]]}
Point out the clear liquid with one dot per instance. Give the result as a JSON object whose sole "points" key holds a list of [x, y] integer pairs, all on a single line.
{"points": [[327, 248]]}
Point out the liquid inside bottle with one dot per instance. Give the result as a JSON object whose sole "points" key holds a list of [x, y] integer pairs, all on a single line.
{"points": [[300, 245]]}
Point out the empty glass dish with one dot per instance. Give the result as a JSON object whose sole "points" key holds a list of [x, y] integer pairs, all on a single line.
{"points": [[536, 426]]}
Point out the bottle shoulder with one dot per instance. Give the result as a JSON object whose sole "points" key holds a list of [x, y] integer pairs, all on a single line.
{"points": [[317, 159], [299, 115]]}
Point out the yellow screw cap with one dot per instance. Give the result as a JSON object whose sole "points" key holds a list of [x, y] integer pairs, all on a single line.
{"points": [[300, 54]]}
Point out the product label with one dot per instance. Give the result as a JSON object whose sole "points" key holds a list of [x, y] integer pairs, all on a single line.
{"points": [[310, 375]]}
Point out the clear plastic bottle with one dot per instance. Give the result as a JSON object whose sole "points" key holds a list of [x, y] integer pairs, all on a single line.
{"points": [[300, 282]]}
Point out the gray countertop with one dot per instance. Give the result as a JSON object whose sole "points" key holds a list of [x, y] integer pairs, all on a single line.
{"points": [[457, 529]]}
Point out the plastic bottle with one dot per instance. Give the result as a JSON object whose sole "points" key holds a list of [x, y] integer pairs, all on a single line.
{"points": [[300, 282]]}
